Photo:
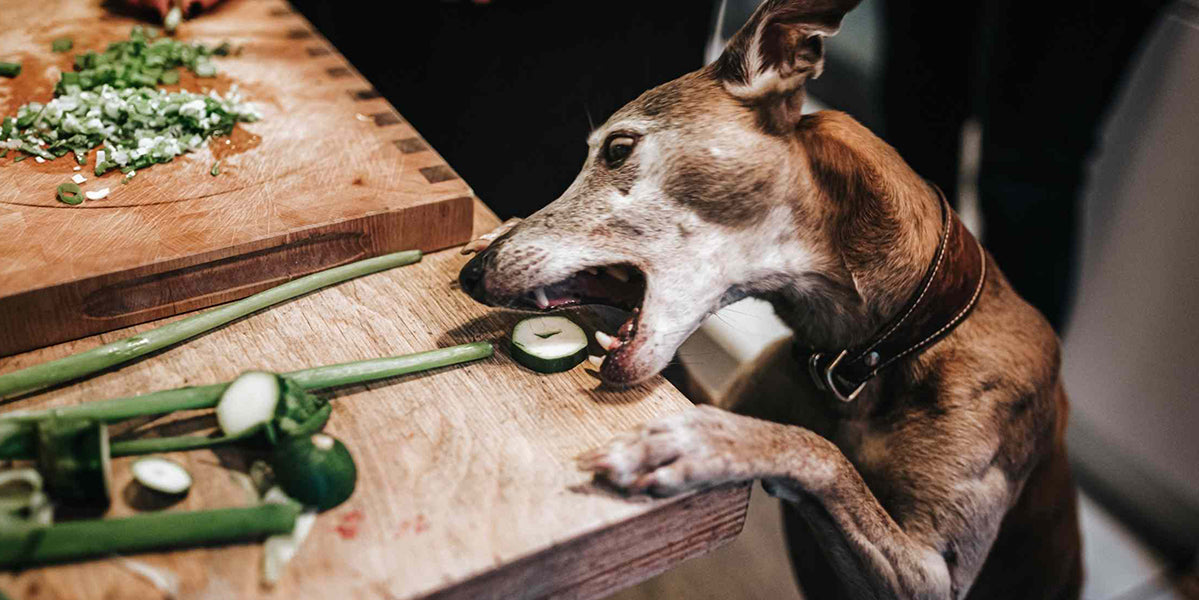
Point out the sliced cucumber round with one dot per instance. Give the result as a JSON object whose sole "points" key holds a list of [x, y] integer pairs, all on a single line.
{"points": [[74, 461], [549, 344], [316, 470], [162, 475], [248, 402]]}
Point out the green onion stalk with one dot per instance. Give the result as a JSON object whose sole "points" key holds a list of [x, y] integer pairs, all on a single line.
{"points": [[18, 428], [29, 544], [122, 351]]}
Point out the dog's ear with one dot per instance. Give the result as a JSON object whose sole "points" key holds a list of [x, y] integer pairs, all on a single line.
{"points": [[781, 47]]}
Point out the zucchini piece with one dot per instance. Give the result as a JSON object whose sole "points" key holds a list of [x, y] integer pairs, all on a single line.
{"points": [[74, 461], [549, 344], [316, 470]]}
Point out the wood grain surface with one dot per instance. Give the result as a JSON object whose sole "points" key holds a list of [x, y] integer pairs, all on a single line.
{"points": [[467, 485], [331, 174]]}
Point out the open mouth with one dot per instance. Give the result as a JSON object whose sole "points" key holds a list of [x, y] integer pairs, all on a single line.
{"points": [[620, 286]]}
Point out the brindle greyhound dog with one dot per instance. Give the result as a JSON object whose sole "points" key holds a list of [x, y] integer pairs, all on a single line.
{"points": [[914, 425]]}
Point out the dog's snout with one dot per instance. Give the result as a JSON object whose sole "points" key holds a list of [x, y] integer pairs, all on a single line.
{"points": [[470, 278]]}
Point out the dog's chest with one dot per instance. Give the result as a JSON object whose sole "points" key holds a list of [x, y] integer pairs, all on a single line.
{"points": [[868, 447]]}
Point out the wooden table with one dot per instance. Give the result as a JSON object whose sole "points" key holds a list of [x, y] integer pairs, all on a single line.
{"points": [[467, 486]]}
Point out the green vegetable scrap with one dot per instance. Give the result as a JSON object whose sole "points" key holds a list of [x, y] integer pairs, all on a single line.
{"points": [[33, 544], [121, 351], [216, 169], [9, 69], [171, 22], [139, 61], [62, 45], [317, 470], [138, 127], [16, 426], [70, 193], [73, 458], [110, 101]]}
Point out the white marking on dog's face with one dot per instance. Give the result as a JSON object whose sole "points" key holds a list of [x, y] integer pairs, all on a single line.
{"points": [[685, 185]]}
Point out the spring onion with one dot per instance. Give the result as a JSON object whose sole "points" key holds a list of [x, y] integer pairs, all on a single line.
{"points": [[134, 127], [161, 475], [181, 443], [256, 405], [216, 169], [28, 545], [9, 69], [171, 22], [138, 61], [119, 352], [62, 45], [70, 193], [18, 439], [110, 99], [248, 402], [278, 550], [22, 499], [207, 396]]}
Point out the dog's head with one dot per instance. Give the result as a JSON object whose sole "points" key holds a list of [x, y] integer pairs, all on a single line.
{"points": [[686, 201]]}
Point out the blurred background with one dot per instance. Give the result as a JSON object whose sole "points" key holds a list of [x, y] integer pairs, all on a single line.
{"points": [[1067, 135]]}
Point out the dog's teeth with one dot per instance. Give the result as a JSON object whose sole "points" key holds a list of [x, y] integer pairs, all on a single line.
{"points": [[592, 271], [606, 341], [596, 361], [542, 301], [619, 273]]}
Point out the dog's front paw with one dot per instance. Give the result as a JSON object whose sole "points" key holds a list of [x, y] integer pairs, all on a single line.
{"points": [[693, 449]]}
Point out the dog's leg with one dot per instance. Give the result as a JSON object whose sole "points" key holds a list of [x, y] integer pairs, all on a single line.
{"points": [[482, 242], [876, 557]]}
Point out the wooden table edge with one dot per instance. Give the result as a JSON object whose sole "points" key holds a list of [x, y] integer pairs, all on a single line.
{"points": [[607, 560]]}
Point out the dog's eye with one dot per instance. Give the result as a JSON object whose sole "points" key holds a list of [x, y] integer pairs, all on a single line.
{"points": [[617, 149]]}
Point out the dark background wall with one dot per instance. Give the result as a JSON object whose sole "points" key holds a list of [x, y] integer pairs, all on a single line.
{"points": [[503, 89]]}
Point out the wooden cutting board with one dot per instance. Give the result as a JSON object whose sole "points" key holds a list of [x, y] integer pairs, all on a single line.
{"points": [[331, 174]]}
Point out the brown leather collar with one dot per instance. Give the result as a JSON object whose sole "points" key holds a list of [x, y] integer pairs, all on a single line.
{"points": [[950, 289]]}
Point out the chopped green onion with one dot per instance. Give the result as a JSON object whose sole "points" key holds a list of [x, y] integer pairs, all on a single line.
{"points": [[122, 351], [133, 62], [62, 44], [216, 169], [8, 69], [134, 127], [70, 193], [169, 77], [171, 21]]}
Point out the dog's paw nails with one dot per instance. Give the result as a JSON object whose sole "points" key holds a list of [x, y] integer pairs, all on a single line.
{"points": [[594, 460], [665, 481]]}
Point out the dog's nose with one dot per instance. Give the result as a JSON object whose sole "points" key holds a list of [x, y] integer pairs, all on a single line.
{"points": [[470, 278]]}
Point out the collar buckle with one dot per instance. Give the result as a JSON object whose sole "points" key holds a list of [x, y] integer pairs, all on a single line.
{"points": [[826, 380]]}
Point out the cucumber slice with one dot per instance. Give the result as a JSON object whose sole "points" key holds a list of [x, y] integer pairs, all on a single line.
{"points": [[162, 475], [316, 470], [248, 402], [73, 459], [549, 344]]}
